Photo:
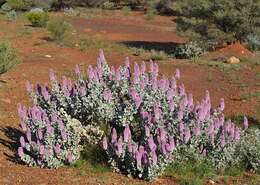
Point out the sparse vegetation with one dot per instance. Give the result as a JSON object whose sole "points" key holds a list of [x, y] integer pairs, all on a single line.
{"points": [[58, 27], [38, 18], [8, 57]]}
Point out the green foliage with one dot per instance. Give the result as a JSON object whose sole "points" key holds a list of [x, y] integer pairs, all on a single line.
{"points": [[190, 171], [6, 7], [219, 20], [20, 5], [38, 18], [58, 27], [109, 5], [11, 15], [126, 10], [253, 42], [249, 150], [188, 50], [8, 57], [158, 55]]}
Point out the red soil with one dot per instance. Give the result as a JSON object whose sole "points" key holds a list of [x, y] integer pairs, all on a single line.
{"points": [[35, 68]]}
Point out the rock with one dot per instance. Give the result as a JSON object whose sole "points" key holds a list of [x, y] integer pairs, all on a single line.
{"points": [[47, 56], [211, 182], [233, 60]]}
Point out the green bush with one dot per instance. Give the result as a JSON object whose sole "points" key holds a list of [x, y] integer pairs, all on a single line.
{"points": [[253, 42], [11, 15], [38, 18], [109, 5], [188, 50], [8, 57], [220, 20], [58, 27], [20, 5], [249, 150]]}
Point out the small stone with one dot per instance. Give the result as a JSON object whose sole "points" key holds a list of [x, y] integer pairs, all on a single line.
{"points": [[211, 182], [233, 60], [47, 56]]}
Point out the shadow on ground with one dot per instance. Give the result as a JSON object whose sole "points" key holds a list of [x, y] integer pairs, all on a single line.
{"points": [[12, 143], [167, 47]]}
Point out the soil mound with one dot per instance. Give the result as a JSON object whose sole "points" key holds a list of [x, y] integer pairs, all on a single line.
{"points": [[237, 50]]}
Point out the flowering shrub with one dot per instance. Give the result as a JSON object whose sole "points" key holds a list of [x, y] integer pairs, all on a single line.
{"points": [[146, 119], [50, 139]]}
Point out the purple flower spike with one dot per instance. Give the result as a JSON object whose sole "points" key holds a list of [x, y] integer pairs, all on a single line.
{"points": [[57, 148], [63, 135], [151, 67], [245, 124], [104, 143], [28, 135], [157, 112], [28, 87], [45, 94], [222, 104], [102, 56], [22, 141], [187, 135], [143, 67], [151, 144], [52, 76], [154, 157], [20, 152], [70, 157], [127, 133], [177, 74], [114, 135], [107, 95], [77, 70], [127, 62], [119, 146], [42, 150], [147, 131]]}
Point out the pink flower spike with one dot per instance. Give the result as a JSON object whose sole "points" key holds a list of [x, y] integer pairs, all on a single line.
{"points": [[222, 104], [177, 74], [127, 134], [114, 135], [245, 124], [77, 70], [104, 143], [20, 152], [127, 62], [28, 86]]}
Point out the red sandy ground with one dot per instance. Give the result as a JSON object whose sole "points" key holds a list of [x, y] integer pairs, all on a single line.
{"points": [[35, 68]]}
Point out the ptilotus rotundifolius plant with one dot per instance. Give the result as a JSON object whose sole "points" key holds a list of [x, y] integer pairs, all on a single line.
{"points": [[142, 118]]}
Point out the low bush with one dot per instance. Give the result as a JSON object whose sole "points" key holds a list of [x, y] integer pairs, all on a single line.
{"points": [[58, 27], [38, 17], [188, 50], [249, 150], [147, 121], [20, 5], [108, 5], [253, 42], [8, 57], [11, 15]]}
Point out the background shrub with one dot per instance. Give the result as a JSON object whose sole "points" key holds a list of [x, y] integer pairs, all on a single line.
{"points": [[8, 56], [38, 17], [58, 27], [188, 50], [20, 5], [218, 20], [249, 150], [253, 42]]}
